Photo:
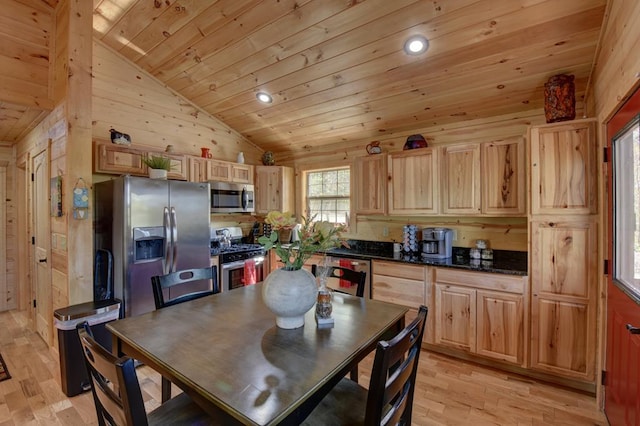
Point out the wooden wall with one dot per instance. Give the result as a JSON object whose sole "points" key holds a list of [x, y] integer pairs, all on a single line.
{"points": [[8, 255], [131, 101]]}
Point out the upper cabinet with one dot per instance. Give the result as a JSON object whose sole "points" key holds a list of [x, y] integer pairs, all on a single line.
{"points": [[179, 165], [563, 168], [274, 189], [241, 173], [118, 159], [461, 179], [503, 177], [370, 184], [413, 182]]}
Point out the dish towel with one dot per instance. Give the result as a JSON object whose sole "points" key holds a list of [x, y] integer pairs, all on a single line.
{"points": [[346, 264], [249, 272]]}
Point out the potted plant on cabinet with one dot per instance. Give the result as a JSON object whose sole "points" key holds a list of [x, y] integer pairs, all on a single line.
{"points": [[158, 166]]}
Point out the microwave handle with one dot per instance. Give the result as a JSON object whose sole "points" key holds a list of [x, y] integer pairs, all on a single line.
{"points": [[245, 199]]}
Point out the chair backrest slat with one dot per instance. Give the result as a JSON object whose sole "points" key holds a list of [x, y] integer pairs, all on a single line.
{"points": [[114, 384], [181, 278], [357, 278], [393, 376]]}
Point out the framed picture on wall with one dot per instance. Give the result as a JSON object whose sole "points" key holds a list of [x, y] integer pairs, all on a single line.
{"points": [[55, 188]]}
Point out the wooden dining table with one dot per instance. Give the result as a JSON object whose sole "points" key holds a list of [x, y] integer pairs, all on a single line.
{"points": [[226, 352]]}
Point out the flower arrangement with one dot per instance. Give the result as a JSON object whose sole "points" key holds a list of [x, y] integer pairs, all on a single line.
{"points": [[312, 237]]}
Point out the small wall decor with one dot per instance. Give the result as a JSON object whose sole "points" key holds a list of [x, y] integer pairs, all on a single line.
{"points": [[80, 200], [120, 138], [559, 98], [268, 159], [55, 188], [414, 142], [374, 148]]}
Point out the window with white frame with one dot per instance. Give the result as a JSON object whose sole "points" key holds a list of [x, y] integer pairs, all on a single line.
{"points": [[328, 193]]}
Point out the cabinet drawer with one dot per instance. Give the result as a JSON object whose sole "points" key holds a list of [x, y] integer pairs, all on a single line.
{"points": [[400, 270], [481, 280], [402, 291]]}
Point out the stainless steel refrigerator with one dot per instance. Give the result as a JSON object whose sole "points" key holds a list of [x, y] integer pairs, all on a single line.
{"points": [[152, 227]]}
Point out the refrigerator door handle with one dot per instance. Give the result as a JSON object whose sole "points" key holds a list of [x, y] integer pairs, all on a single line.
{"points": [[174, 240], [166, 260]]}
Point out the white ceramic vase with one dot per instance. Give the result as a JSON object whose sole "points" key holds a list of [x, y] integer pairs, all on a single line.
{"points": [[289, 294], [157, 173]]}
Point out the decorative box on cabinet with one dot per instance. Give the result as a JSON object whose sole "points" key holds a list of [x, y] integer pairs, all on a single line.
{"points": [[370, 184], [119, 159], [413, 182], [461, 179], [481, 313], [274, 188], [503, 177], [564, 290], [563, 168], [406, 285]]}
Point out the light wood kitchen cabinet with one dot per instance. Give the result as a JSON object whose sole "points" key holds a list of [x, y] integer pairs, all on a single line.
{"points": [[119, 159], [461, 179], [413, 182], [482, 313], [370, 184], [274, 186], [503, 177], [564, 290], [218, 170], [563, 168], [197, 169], [407, 285], [179, 165], [241, 173]]}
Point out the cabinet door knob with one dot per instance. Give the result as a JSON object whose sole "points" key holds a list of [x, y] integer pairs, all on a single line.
{"points": [[632, 329]]}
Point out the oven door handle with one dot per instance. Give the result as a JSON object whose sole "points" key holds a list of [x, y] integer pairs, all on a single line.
{"points": [[240, 263]]}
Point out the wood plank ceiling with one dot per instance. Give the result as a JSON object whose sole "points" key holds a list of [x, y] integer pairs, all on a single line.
{"points": [[336, 68]]}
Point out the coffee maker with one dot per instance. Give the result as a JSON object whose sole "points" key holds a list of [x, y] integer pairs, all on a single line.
{"points": [[436, 243]]}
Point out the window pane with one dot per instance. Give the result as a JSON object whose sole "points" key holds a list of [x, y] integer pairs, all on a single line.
{"points": [[328, 195], [626, 166]]}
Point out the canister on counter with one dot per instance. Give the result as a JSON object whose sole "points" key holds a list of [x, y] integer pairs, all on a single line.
{"points": [[487, 254], [474, 253], [481, 244]]}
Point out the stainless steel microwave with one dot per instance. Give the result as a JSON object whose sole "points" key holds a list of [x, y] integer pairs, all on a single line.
{"points": [[229, 197]]}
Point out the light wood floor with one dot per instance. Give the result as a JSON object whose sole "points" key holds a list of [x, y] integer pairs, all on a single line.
{"points": [[448, 391]]}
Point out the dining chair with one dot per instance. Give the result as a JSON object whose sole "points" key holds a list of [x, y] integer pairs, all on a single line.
{"points": [[389, 400], [160, 283], [117, 394], [358, 278]]}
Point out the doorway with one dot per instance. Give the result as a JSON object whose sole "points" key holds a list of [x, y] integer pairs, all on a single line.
{"points": [[622, 393], [41, 235]]}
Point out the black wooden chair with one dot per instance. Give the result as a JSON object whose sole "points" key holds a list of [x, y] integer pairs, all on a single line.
{"points": [[389, 400], [359, 278], [117, 395], [162, 283]]}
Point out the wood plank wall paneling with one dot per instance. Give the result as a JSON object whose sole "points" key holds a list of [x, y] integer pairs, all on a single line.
{"points": [[616, 72], [131, 101], [8, 255]]}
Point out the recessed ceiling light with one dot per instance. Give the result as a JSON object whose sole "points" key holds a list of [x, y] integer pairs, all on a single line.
{"points": [[416, 45], [264, 97]]}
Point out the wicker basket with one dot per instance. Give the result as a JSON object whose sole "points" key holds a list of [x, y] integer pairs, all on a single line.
{"points": [[284, 236]]}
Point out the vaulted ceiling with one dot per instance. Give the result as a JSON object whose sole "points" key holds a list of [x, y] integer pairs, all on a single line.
{"points": [[336, 68]]}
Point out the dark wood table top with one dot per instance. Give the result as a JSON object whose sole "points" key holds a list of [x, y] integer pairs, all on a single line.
{"points": [[226, 352]]}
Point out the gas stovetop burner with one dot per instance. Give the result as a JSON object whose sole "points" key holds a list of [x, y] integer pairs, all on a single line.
{"points": [[236, 251]]}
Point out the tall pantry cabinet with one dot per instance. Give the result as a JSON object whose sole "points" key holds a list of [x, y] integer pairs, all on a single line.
{"points": [[564, 250]]}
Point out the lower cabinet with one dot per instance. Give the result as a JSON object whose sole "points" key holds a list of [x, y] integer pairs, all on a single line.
{"points": [[482, 313], [406, 285]]}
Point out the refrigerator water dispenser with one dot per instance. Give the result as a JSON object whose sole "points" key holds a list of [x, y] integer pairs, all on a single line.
{"points": [[148, 244]]}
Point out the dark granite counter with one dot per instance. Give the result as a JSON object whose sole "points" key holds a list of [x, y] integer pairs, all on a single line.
{"points": [[504, 261]]}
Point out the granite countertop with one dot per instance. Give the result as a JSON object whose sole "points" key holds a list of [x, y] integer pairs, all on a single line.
{"points": [[504, 261]]}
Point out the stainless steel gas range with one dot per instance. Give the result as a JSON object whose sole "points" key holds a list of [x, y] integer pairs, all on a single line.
{"points": [[240, 264]]}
